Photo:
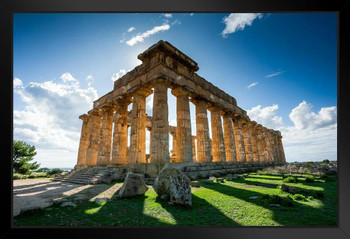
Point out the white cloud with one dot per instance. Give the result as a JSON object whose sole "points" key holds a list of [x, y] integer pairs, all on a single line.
{"points": [[131, 29], [119, 74], [312, 137], [90, 80], [141, 36], [304, 118], [274, 74], [266, 116], [238, 21], [252, 85], [17, 83], [50, 117], [168, 15]]}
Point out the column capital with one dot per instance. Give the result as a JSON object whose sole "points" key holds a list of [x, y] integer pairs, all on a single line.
{"points": [[84, 117], [213, 107], [143, 91], [161, 81], [179, 91], [198, 99], [95, 111], [227, 114]]}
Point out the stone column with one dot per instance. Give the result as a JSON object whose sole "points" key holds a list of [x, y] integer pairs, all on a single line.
{"points": [[94, 137], [137, 151], [202, 131], [260, 143], [272, 145], [230, 146], [254, 141], [239, 140], [218, 144], [84, 140], [159, 152], [120, 133], [280, 147], [247, 142], [268, 151], [277, 153], [104, 152], [173, 151], [183, 129], [194, 148]]}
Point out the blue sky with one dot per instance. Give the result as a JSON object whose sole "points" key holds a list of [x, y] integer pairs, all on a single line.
{"points": [[281, 68]]}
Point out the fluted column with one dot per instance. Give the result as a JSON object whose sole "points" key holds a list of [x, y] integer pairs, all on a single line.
{"points": [[277, 153], [159, 152], [247, 142], [202, 131], [104, 152], [84, 140], [94, 137], [260, 143], [239, 140], [194, 148], [120, 133], [183, 129], [173, 151], [254, 141], [137, 151], [268, 152], [280, 147], [230, 146], [218, 144]]}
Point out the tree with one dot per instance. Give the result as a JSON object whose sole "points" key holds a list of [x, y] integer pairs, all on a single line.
{"points": [[21, 155]]}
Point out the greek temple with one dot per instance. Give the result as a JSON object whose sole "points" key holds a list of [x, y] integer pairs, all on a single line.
{"points": [[235, 139]]}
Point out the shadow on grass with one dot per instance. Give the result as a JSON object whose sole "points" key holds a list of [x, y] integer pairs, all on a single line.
{"points": [[267, 178], [298, 215], [201, 213]]}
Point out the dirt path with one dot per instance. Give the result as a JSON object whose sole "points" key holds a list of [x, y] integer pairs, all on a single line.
{"points": [[41, 192]]}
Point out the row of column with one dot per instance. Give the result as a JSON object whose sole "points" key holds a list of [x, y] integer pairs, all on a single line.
{"points": [[236, 140]]}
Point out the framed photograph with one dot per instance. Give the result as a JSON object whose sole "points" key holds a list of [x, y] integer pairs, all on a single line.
{"points": [[183, 119]]}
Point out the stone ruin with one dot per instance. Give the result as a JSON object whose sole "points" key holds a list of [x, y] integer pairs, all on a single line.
{"points": [[237, 145]]}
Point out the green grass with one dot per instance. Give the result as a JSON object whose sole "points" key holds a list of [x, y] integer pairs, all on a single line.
{"points": [[218, 204]]}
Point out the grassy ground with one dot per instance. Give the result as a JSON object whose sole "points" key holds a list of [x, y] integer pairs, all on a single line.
{"points": [[218, 204]]}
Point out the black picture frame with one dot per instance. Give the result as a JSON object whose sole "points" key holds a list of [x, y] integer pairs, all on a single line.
{"points": [[342, 8]]}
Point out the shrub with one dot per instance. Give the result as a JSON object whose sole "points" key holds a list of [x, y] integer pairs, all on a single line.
{"points": [[308, 164], [326, 161], [310, 179], [299, 197], [287, 202], [319, 194], [54, 171], [310, 198], [292, 179]]}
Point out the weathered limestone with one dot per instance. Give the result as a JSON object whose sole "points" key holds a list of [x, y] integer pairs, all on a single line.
{"points": [[84, 139], [120, 133], [239, 140], [247, 142], [183, 130], [218, 145], [194, 148], [230, 146], [137, 152], [254, 140], [260, 143], [202, 131], [159, 152], [235, 139], [105, 135], [94, 137]]}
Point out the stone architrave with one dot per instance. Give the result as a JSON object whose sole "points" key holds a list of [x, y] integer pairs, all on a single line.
{"points": [[120, 132], [159, 152], [84, 140], [260, 143], [218, 144], [239, 140], [194, 148], [94, 137], [137, 151], [202, 131], [254, 141], [230, 146], [247, 142], [183, 129], [105, 135]]}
